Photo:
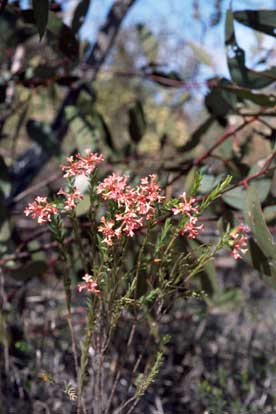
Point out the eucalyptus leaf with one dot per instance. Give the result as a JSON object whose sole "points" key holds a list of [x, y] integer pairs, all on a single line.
{"points": [[240, 74], [136, 122], [262, 20], [41, 11], [194, 139], [79, 15], [256, 221]]}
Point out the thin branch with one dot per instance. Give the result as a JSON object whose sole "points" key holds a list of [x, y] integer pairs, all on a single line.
{"points": [[224, 138]]}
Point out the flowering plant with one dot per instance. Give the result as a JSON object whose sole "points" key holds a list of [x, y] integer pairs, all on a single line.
{"points": [[126, 217]]}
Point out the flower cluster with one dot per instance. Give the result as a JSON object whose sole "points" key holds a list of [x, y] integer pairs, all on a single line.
{"points": [[79, 165], [135, 205], [89, 284], [131, 207], [72, 198], [191, 229], [189, 209], [238, 241], [41, 210]]}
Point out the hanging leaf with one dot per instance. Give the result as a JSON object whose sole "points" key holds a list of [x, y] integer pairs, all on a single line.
{"points": [[105, 131], [60, 36], [219, 105], [63, 37], [240, 74], [197, 134], [261, 20], [258, 225], [43, 135], [41, 11], [236, 198], [4, 170], [79, 15], [266, 100], [257, 258], [200, 53], [136, 122]]}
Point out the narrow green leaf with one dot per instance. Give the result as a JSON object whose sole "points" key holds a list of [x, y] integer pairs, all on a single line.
{"points": [[257, 258], [41, 12], [197, 134], [104, 130], [240, 74], [261, 20], [265, 267], [258, 225], [136, 122], [4, 170], [267, 100], [62, 37], [79, 15]]}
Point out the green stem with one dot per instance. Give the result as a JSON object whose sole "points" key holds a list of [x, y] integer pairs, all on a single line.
{"points": [[79, 241], [59, 234], [85, 347]]}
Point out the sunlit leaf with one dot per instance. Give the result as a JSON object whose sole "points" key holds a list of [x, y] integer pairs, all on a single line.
{"points": [[240, 74], [200, 53], [261, 20]]}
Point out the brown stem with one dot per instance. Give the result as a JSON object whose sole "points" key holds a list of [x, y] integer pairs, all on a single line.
{"points": [[222, 139]]}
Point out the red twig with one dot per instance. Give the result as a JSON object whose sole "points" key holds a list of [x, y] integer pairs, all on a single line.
{"points": [[222, 139], [265, 170]]}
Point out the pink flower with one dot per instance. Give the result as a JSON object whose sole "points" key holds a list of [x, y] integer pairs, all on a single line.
{"points": [[41, 210], [113, 187], [72, 198], [82, 165], [186, 207], [191, 228], [135, 205], [107, 229], [89, 284], [90, 161], [130, 222], [238, 241], [150, 189], [73, 168]]}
